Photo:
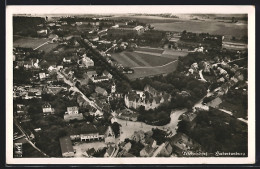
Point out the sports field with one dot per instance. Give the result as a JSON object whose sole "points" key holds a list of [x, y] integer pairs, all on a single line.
{"points": [[151, 71], [149, 61], [133, 59]]}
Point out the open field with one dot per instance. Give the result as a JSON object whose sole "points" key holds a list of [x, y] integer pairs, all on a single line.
{"points": [[211, 27], [134, 59], [48, 47], [146, 19], [151, 71], [149, 61], [152, 50], [28, 42]]}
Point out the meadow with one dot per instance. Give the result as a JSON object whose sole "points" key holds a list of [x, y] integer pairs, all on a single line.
{"points": [[211, 27], [48, 47], [28, 42], [152, 71]]}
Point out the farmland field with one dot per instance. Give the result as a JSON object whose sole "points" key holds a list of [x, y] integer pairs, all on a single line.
{"points": [[28, 42], [211, 27]]}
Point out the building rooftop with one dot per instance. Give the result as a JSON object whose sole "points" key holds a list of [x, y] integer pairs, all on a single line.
{"points": [[66, 145], [100, 90], [82, 129]]}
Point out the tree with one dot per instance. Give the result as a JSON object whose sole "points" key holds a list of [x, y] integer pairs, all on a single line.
{"points": [[183, 127], [159, 136], [116, 128]]}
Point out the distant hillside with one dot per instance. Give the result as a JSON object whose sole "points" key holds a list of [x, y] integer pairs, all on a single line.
{"points": [[26, 26]]}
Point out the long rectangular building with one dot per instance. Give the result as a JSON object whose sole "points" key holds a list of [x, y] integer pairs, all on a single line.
{"points": [[66, 147], [117, 31]]}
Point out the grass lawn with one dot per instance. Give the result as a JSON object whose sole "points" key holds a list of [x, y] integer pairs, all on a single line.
{"points": [[153, 60], [143, 72], [29, 151], [145, 64], [28, 42], [132, 59], [124, 60], [153, 50], [48, 47], [238, 110], [174, 54], [136, 59]]}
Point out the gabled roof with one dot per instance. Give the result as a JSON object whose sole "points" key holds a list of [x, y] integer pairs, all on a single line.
{"points": [[157, 100], [149, 140], [100, 77], [46, 105], [110, 150], [66, 145], [91, 72], [109, 132], [127, 145], [151, 90], [83, 129], [74, 108], [91, 151], [132, 96], [102, 130], [106, 73], [148, 148], [100, 90]]}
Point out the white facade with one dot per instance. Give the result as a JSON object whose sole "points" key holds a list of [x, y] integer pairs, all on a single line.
{"points": [[87, 61], [72, 110]]}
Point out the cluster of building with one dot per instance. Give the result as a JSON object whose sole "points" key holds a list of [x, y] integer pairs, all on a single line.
{"points": [[127, 114], [173, 146], [86, 133], [124, 30], [150, 98], [27, 92]]}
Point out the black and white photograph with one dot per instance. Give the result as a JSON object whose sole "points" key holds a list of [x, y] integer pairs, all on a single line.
{"points": [[103, 84]]}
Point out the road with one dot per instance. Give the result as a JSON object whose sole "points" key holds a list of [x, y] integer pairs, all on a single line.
{"points": [[201, 76], [28, 138], [205, 107], [91, 103]]}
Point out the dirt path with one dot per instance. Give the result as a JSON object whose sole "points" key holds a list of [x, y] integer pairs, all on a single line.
{"points": [[145, 67]]}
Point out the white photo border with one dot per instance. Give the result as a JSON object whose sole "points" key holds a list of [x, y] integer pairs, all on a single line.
{"points": [[97, 9]]}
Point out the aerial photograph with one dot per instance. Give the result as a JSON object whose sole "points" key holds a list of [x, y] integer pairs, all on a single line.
{"points": [[130, 85]]}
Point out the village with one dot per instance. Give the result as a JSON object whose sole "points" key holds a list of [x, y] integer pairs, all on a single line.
{"points": [[99, 87]]}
